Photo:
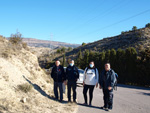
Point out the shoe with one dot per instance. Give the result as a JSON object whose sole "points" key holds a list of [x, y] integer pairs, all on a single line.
{"points": [[74, 101], [90, 104], [103, 107], [85, 104], [109, 110], [60, 101]]}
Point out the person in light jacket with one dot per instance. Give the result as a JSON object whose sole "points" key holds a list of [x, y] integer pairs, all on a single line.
{"points": [[91, 78]]}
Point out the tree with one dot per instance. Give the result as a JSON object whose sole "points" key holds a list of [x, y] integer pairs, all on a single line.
{"points": [[102, 60], [120, 66], [147, 25], [58, 51], [79, 59], [112, 58], [63, 49], [131, 57], [69, 48], [83, 44], [107, 56], [134, 28], [64, 61], [85, 59]]}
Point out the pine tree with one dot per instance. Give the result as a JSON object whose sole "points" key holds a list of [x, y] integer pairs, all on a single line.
{"points": [[112, 58], [79, 59], [64, 61]]}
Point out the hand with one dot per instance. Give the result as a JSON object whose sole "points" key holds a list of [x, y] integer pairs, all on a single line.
{"points": [[65, 82], [83, 83], [109, 88], [96, 85], [100, 87]]}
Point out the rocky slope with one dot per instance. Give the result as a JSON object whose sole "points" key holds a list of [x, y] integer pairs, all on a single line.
{"points": [[136, 38], [24, 86]]}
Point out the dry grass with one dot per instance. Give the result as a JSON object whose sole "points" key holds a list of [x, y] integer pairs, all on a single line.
{"points": [[25, 87]]}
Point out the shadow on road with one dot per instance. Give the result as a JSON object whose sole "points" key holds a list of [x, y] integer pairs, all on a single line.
{"points": [[96, 107], [143, 93], [133, 87]]}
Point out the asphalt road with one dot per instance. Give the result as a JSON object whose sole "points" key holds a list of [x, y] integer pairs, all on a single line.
{"points": [[127, 99]]}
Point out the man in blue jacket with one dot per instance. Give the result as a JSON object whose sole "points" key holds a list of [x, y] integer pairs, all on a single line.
{"points": [[59, 77], [107, 79], [72, 76]]}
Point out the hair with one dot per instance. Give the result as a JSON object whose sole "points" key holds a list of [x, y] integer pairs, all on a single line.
{"points": [[71, 60], [107, 63], [91, 61]]}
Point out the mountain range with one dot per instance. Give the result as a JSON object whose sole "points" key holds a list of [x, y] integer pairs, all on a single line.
{"points": [[48, 44]]}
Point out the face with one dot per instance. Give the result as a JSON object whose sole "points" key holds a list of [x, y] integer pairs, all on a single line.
{"points": [[57, 63], [91, 64], [71, 62], [107, 67]]}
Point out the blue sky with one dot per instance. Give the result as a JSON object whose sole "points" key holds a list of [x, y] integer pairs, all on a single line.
{"points": [[72, 21]]}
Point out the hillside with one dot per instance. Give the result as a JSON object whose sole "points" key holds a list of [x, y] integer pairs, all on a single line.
{"points": [[136, 38], [24, 86], [48, 44]]}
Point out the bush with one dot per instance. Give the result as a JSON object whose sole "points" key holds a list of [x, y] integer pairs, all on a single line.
{"points": [[134, 28], [25, 87], [15, 38], [5, 55], [24, 45], [147, 25], [63, 49], [69, 49], [58, 51], [83, 44]]}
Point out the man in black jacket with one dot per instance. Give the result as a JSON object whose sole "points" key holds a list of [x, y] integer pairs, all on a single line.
{"points": [[59, 77], [107, 79], [72, 76]]}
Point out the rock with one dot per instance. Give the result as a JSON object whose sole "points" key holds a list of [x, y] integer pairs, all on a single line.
{"points": [[24, 100]]}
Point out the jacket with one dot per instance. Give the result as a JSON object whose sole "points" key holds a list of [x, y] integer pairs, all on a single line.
{"points": [[107, 79], [72, 73], [91, 76], [58, 74]]}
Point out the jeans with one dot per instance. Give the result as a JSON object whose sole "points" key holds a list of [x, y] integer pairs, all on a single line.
{"points": [[73, 85], [91, 89], [108, 98], [56, 86]]}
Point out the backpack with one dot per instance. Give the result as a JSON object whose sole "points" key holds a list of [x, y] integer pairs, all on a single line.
{"points": [[94, 70], [116, 81]]}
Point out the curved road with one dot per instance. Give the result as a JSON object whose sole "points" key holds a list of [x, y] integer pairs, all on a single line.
{"points": [[127, 99]]}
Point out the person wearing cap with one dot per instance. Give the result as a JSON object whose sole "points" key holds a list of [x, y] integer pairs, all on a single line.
{"points": [[91, 78], [72, 76], [59, 77]]}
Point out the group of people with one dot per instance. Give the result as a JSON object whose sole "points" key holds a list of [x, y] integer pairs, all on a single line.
{"points": [[106, 82]]}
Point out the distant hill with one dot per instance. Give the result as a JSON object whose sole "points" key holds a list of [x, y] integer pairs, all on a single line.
{"points": [[48, 44], [138, 39]]}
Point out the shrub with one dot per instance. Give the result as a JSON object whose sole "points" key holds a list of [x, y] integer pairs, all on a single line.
{"points": [[5, 55], [58, 50], [24, 45], [83, 44], [15, 38], [25, 87], [147, 25], [63, 49]]}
